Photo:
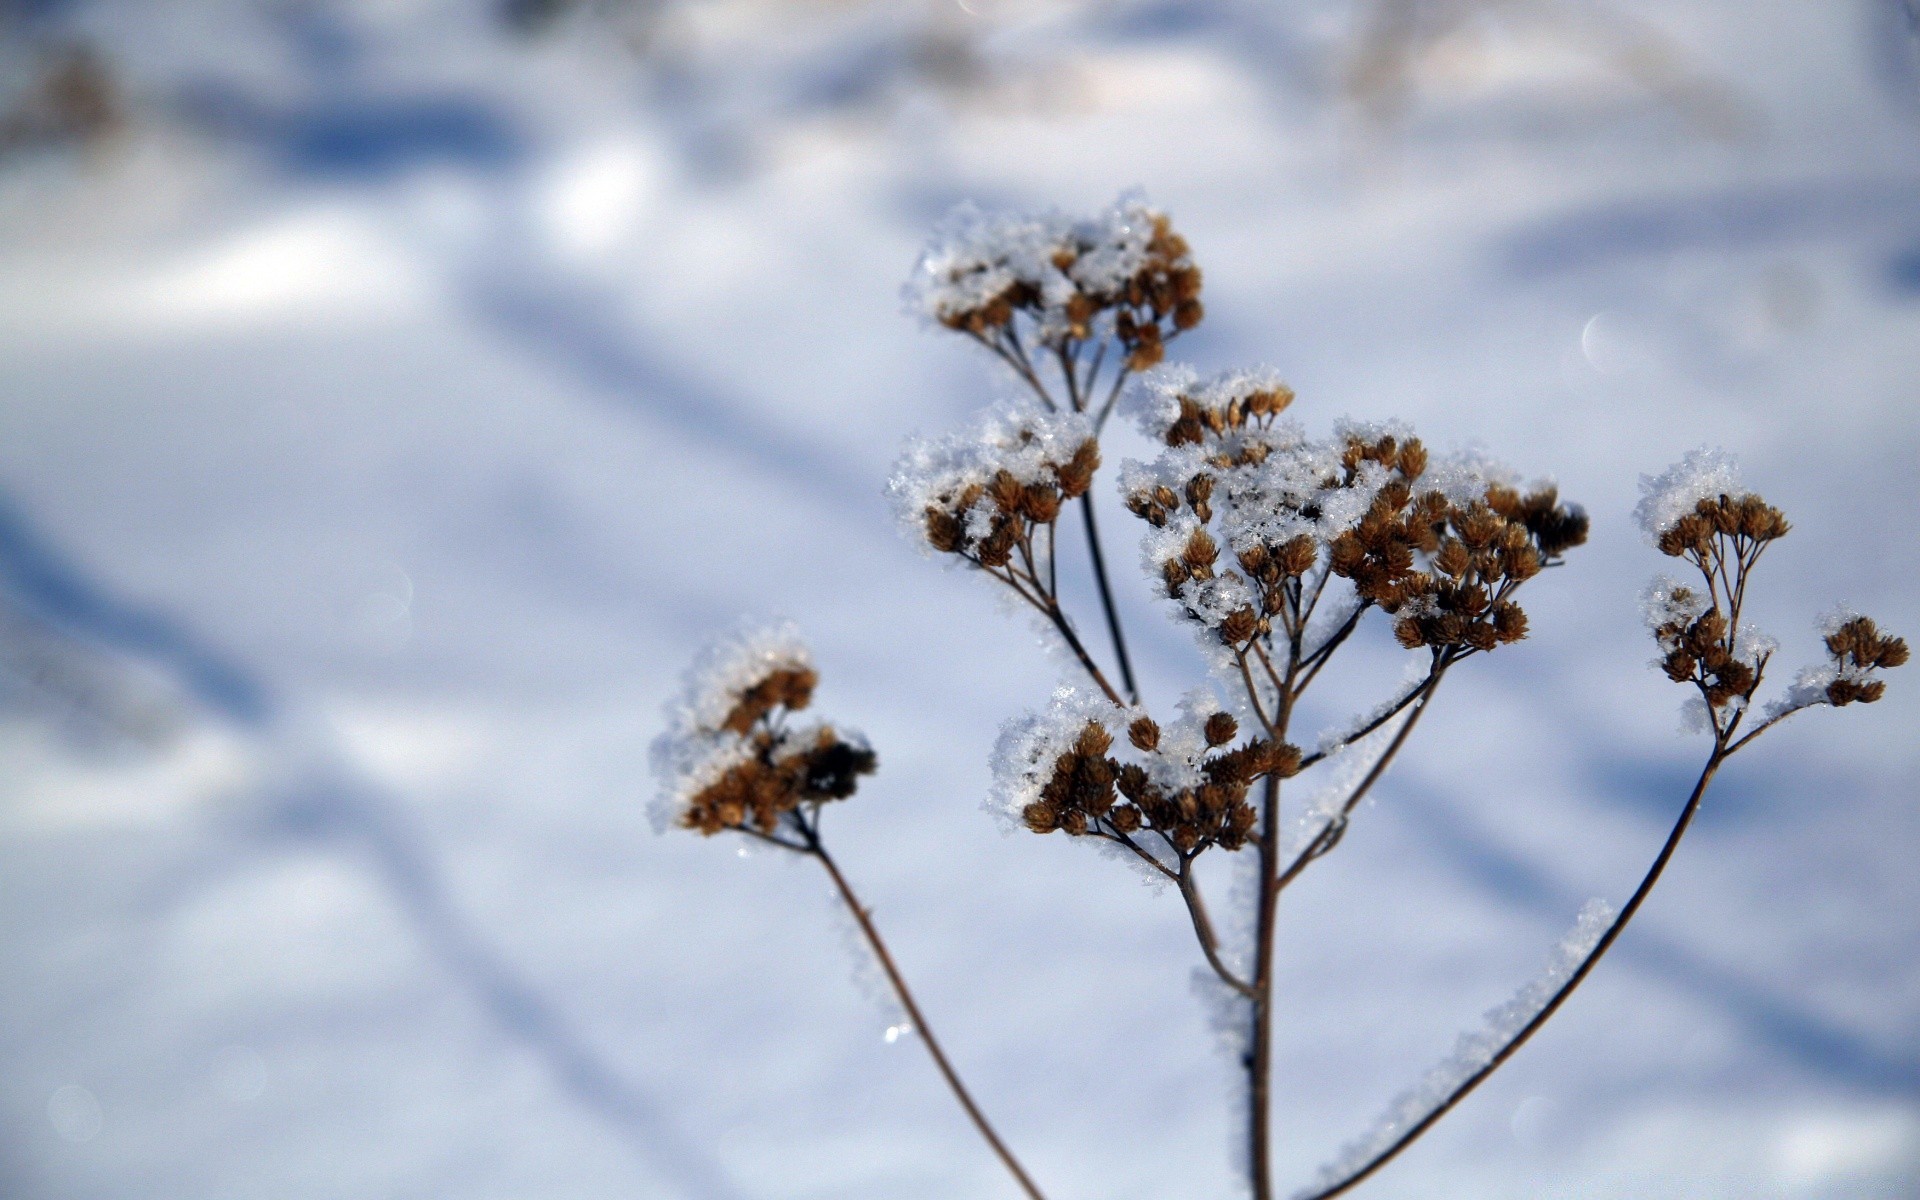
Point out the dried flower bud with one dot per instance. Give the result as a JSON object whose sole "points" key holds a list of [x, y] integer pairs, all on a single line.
{"points": [[1239, 626], [1297, 555], [1144, 734], [1094, 740], [1221, 728]]}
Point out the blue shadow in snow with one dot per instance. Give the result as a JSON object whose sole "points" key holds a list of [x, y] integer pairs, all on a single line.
{"points": [[1726, 219], [569, 328], [355, 139], [1812, 1042], [52, 588], [329, 807]]}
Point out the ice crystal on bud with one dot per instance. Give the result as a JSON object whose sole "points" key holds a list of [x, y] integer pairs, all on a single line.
{"points": [[1030, 745], [1704, 474], [954, 492], [1670, 608]]}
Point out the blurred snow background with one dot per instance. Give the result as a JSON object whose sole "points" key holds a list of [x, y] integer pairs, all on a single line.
{"points": [[396, 392]]}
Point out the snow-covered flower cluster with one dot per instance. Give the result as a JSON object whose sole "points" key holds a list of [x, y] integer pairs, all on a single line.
{"points": [[730, 758], [1368, 504], [980, 494], [1186, 784], [1696, 511], [1703, 474], [1122, 270], [1856, 652], [1683, 510]]}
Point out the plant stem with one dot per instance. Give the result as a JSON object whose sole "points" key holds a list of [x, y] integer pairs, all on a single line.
{"points": [[1106, 599], [913, 1014], [1259, 1058], [1519, 1039]]}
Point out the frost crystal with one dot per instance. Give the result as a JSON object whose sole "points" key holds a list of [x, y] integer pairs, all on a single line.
{"points": [[1474, 1051], [1703, 474], [1668, 604], [1465, 475], [1154, 402], [1024, 441]]}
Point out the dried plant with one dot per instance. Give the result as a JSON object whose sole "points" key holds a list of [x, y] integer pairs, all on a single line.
{"points": [[1273, 547]]}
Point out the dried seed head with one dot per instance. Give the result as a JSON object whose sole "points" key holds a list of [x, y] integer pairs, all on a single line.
{"points": [[1220, 729], [1094, 740], [1239, 626], [1144, 734]]}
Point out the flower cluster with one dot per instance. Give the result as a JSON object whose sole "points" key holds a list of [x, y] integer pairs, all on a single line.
{"points": [[732, 759], [1123, 270], [1187, 783], [1698, 512], [1698, 645], [1856, 652], [983, 496], [1856, 649], [1367, 506]]}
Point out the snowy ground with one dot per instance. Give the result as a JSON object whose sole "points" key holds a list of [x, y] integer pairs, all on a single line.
{"points": [[393, 403]]}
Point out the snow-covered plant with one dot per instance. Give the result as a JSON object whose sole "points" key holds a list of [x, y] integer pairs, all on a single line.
{"points": [[1273, 547]]}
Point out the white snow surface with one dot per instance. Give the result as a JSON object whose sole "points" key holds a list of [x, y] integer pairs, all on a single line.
{"points": [[394, 405]]}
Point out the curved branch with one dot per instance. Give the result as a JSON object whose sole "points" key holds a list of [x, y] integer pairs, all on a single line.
{"points": [[1203, 929], [927, 1039], [1579, 975]]}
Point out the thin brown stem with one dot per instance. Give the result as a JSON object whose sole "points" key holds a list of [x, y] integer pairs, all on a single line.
{"points": [[872, 934], [1145, 855], [1253, 691], [1393, 710], [1106, 599], [1259, 1058], [1336, 827], [1324, 651], [1579, 975], [1203, 929], [1021, 367]]}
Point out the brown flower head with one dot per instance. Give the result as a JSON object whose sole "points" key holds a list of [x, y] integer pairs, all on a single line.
{"points": [[734, 758], [1089, 768]]}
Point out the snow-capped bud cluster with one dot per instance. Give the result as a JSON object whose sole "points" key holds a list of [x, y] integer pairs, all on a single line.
{"points": [[1703, 474], [1856, 652], [1697, 512], [1070, 279], [1182, 785], [1248, 515], [979, 494], [730, 758]]}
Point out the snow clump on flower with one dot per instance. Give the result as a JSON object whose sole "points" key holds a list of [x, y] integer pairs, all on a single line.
{"points": [[1704, 474]]}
